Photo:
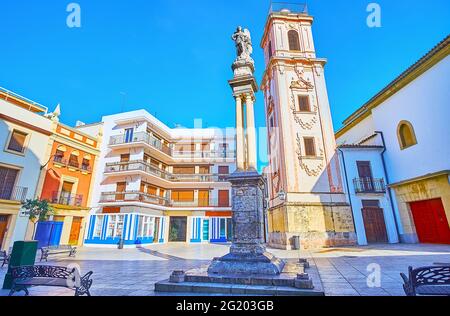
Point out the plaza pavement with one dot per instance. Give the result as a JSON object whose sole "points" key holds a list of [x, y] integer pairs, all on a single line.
{"points": [[343, 271]]}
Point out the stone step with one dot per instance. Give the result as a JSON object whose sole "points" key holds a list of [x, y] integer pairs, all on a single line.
{"points": [[284, 280], [232, 289]]}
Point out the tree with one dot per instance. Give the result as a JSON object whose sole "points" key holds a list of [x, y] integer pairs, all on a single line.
{"points": [[37, 211]]}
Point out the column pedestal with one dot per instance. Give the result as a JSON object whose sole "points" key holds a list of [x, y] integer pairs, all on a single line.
{"points": [[248, 253]]}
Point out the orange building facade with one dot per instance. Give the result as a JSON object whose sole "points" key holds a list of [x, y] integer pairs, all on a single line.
{"points": [[67, 179]]}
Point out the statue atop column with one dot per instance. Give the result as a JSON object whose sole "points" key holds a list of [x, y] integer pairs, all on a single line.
{"points": [[243, 41], [244, 63]]}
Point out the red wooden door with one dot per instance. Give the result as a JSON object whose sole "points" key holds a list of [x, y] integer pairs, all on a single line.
{"points": [[374, 225], [431, 221]]}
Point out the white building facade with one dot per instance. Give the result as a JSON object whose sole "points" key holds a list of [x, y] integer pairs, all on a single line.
{"points": [[24, 141], [155, 184], [410, 119]]}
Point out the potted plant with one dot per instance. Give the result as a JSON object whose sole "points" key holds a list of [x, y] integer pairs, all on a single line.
{"points": [[37, 211]]}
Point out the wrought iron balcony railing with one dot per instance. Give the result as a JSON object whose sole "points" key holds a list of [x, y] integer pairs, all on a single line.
{"points": [[59, 160], [13, 193], [66, 198], [136, 196], [140, 165], [369, 185]]}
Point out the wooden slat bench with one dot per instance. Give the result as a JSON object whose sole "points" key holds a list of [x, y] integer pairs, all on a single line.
{"points": [[24, 277], [57, 250], [431, 281]]}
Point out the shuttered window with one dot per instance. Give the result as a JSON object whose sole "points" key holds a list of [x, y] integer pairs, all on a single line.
{"points": [[73, 161], [224, 169], [203, 198], [184, 170], [310, 147], [17, 141], [204, 169], [294, 42], [7, 181], [183, 196], [185, 147], [303, 103], [224, 198]]}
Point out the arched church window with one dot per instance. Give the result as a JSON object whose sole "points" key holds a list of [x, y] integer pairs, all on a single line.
{"points": [[406, 135], [294, 42]]}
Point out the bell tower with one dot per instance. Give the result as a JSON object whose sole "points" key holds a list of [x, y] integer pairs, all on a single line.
{"points": [[305, 185]]}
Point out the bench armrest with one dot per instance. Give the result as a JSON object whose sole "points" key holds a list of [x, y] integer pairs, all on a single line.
{"points": [[85, 285]]}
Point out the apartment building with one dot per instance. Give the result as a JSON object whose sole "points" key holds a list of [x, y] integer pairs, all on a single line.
{"points": [[156, 184], [24, 139]]}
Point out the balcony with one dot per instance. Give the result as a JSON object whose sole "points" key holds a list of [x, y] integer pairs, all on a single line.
{"points": [[140, 165], [136, 196], [141, 137], [369, 185], [148, 139], [66, 198], [61, 161], [133, 196], [18, 194]]}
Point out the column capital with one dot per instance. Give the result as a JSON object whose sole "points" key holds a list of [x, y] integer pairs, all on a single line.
{"points": [[250, 97]]}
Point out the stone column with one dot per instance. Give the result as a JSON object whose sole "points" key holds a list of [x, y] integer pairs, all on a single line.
{"points": [[240, 148], [251, 133]]}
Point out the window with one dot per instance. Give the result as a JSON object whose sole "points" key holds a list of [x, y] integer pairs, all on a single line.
{"points": [[270, 50], [310, 147], [73, 159], [129, 133], [7, 181], [183, 196], [203, 198], [406, 135], [370, 203], [115, 226], [85, 165], [294, 42], [59, 156], [303, 103], [184, 170], [224, 198], [17, 141], [98, 226], [224, 170]]}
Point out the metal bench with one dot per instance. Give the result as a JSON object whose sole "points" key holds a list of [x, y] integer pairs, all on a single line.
{"points": [[5, 257], [27, 276], [432, 281], [56, 250]]}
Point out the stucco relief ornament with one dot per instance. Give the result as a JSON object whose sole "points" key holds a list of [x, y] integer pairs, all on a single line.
{"points": [[311, 172], [244, 63], [301, 83]]}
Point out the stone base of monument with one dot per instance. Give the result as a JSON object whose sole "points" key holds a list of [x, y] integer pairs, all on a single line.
{"points": [[294, 280], [264, 263]]}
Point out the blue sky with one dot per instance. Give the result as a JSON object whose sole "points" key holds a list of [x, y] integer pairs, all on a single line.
{"points": [[173, 57]]}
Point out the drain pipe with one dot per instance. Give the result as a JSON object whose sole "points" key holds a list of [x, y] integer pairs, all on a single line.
{"points": [[387, 183], [347, 185]]}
